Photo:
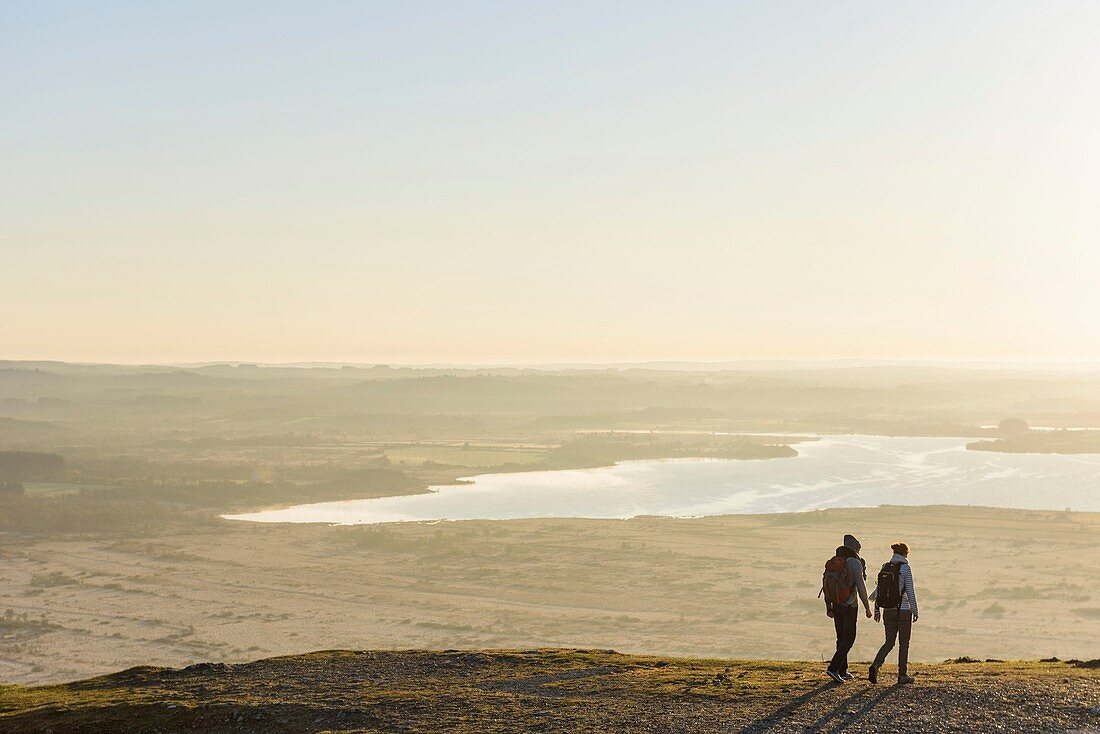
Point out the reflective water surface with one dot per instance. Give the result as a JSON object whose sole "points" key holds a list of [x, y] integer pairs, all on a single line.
{"points": [[837, 471]]}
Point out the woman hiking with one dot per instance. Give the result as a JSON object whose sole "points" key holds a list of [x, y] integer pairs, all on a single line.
{"points": [[897, 600]]}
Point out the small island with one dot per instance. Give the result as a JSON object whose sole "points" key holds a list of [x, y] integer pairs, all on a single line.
{"points": [[1015, 436]]}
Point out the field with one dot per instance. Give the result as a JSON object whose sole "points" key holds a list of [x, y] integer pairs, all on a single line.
{"points": [[993, 584]]}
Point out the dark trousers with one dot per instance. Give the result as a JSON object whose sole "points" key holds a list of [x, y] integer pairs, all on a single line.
{"points": [[844, 619], [898, 624]]}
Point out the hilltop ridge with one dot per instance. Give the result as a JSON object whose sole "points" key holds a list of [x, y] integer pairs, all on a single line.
{"points": [[555, 690]]}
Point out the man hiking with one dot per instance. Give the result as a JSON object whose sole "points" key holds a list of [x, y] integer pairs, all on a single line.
{"points": [[844, 586], [897, 600]]}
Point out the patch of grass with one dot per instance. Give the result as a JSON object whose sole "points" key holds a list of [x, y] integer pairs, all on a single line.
{"points": [[55, 489], [12, 622], [56, 578], [1087, 612], [994, 611], [473, 456]]}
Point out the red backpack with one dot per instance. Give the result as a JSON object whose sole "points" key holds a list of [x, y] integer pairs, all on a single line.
{"points": [[836, 583]]}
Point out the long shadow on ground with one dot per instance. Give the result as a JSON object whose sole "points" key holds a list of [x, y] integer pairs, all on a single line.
{"points": [[854, 709], [785, 712]]}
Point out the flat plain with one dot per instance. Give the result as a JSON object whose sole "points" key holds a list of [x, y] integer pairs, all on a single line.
{"points": [[993, 584]]}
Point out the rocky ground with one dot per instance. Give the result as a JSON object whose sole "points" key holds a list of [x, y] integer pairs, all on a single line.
{"points": [[556, 691]]}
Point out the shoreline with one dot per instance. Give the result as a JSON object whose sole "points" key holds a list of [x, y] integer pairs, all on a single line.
{"points": [[503, 495]]}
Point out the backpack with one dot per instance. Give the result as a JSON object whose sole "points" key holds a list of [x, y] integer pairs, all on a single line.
{"points": [[836, 583], [888, 595]]}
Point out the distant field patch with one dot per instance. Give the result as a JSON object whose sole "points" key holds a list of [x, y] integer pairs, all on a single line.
{"points": [[474, 456], [56, 488]]}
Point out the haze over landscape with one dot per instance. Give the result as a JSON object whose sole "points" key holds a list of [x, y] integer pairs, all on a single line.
{"points": [[496, 367]]}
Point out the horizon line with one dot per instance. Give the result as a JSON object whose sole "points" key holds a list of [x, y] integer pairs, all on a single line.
{"points": [[665, 364]]}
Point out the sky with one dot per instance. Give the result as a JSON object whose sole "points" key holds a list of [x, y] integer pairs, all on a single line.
{"points": [[503, 182]]}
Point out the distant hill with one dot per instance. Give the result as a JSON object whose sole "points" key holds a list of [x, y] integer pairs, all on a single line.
{"points": [[467, 692]]}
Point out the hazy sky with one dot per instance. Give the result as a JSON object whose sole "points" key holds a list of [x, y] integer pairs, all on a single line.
{"points": [[518, 181]]}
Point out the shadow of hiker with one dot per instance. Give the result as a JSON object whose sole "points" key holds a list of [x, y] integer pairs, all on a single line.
{"points": [[860, 701], [782, 713], [866, 709], [841, 706], [859, 705]]}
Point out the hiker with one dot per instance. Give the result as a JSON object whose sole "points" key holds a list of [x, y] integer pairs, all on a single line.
{"points": [[844, 586], [897, 599]]}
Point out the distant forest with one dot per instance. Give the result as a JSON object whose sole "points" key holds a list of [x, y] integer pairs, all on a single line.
{"points": [[16, 466]]}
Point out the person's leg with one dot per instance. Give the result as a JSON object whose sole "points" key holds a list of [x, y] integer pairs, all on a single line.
{"points": [[838, 625], [846, 639], [904, 630], [890, 622]]}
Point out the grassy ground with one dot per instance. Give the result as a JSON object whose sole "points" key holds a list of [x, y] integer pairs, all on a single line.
{"points": [[554, 691], [57, 488]]}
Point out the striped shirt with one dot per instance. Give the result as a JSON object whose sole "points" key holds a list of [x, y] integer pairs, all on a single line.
{"points": [[905, 585]]}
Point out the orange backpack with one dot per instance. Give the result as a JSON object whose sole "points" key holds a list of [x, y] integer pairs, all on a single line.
{"points": [[836, 584]]}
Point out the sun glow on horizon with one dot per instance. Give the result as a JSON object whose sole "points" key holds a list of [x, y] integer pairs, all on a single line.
{"points": [[497, 184]]}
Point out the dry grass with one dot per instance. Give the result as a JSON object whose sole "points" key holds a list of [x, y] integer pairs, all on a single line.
{"points": [[553, 690], [993, 584]]}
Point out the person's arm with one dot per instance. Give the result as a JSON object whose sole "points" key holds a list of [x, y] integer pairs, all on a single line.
{"points": [[910, 590], [856, 569], [874, 597]]}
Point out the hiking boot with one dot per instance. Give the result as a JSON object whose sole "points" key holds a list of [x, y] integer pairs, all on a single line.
{"points": [[847, 676], [903, 679], [872, 674], [835, 676]]}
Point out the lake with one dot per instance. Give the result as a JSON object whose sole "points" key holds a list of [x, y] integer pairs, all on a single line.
{"points": [[836, 471]]}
